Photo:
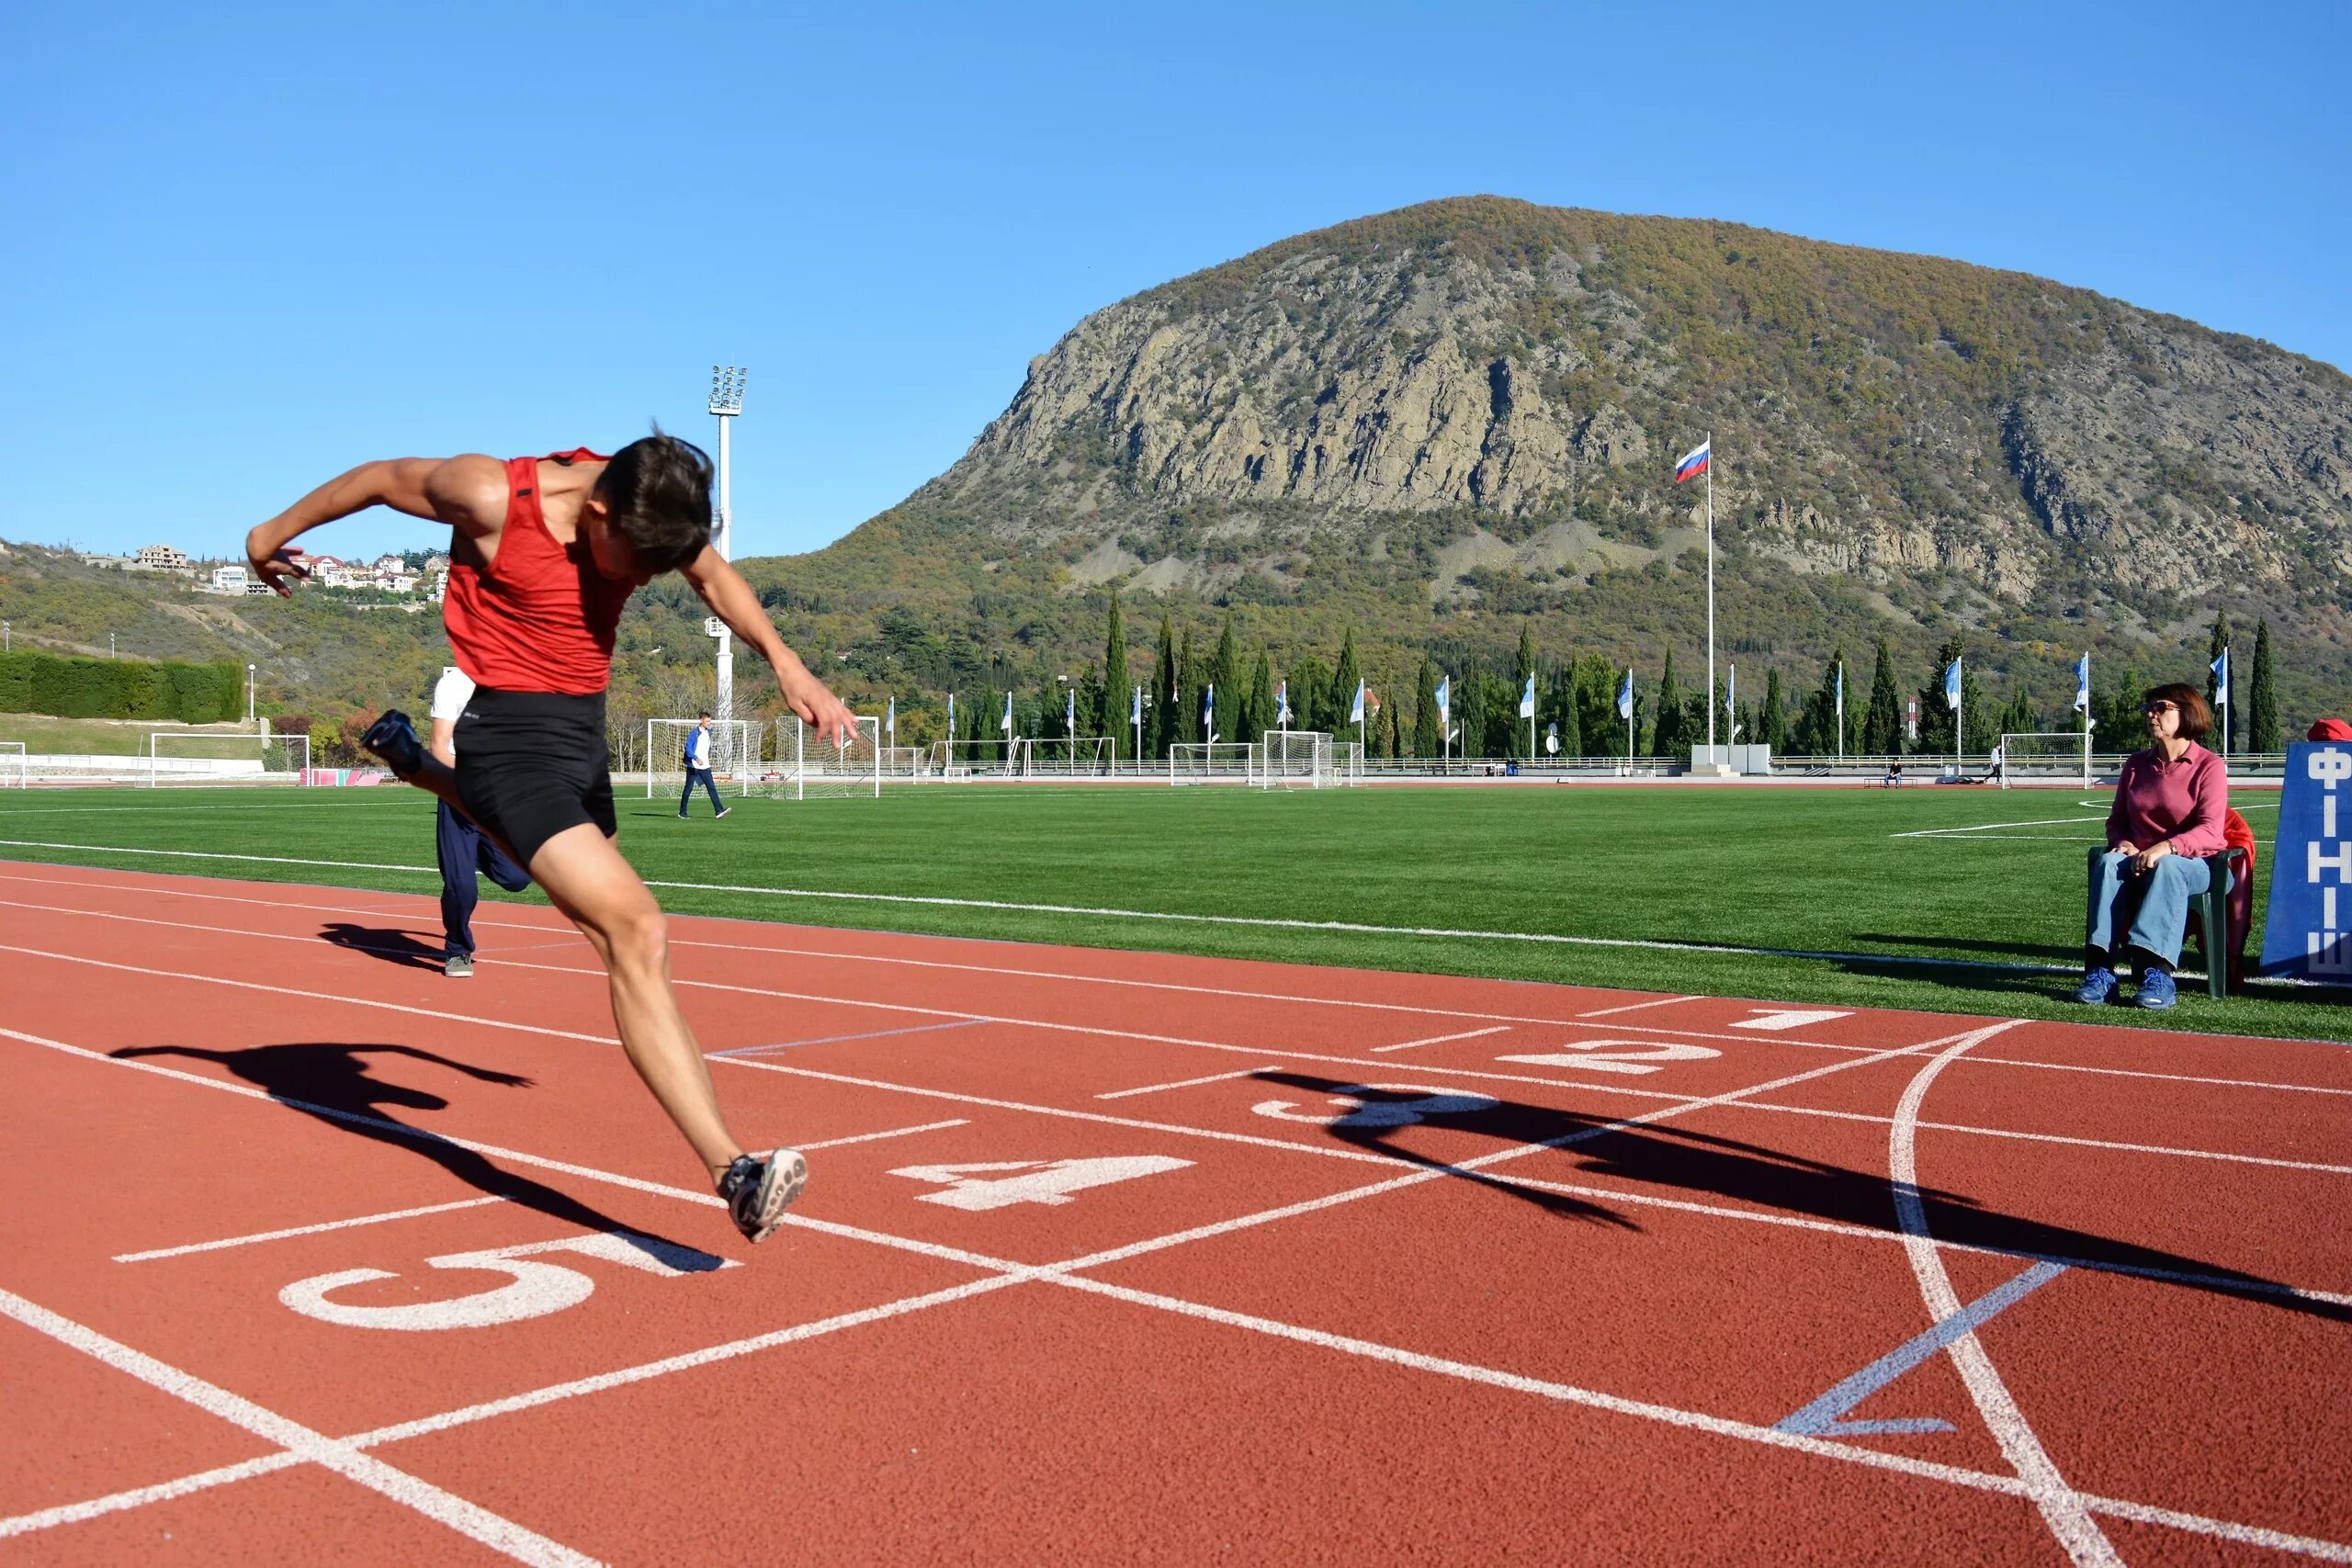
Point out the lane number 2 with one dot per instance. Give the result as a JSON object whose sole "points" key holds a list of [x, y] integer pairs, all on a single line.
{"points": [[1595, 1057]]}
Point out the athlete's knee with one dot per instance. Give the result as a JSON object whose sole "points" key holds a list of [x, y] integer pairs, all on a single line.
{"points": [[640, 942]]}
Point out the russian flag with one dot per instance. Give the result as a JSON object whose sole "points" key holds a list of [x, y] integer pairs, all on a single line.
{"points": [[1693, 464]]}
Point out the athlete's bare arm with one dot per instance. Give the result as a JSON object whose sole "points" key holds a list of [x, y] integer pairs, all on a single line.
{"points": [[468, 492], [732, 600]]}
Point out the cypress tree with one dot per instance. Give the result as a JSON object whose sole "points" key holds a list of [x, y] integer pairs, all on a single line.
{"points": [[1166, 678], [1226, 675], [1666, 739], [2213, 647], [1342, 697], [1111, 717], [2262, 730], [1566, 714], [1428, 736], [1522, 670], [1772, 725], [1883, 719], [1184, 722], [1262, 709]]}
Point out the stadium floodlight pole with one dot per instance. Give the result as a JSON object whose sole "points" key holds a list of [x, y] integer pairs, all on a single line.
{"points": [[725, 403], [249, 697]]}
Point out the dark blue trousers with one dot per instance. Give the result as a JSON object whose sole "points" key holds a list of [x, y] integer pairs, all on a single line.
{"points": [[463, 851], [699, 776]]}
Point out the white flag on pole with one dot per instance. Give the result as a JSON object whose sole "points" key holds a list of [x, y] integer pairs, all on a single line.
{"points": [[1527, 700]]}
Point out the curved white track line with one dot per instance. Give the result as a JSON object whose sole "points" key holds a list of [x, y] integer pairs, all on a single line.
{"points": [[2061, 1506]]}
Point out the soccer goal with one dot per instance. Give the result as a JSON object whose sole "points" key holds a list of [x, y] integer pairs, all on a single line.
{"points": [[734, 753], [1212, 762], [904, 762], [1072, 757], [225, 757], [1307, 758], [12, 763], [2046, 757], [974, 759], [807, 767]]}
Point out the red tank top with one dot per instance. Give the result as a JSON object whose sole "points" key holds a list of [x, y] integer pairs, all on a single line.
{"points": [[541, 618]]}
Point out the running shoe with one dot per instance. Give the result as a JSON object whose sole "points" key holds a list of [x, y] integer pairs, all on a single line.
{"points": [[393, 737], [2156, 990], [723, 811], [758, 1190], [458, 966], [2098, 989]]}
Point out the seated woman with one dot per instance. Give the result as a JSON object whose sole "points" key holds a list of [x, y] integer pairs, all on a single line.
{"points": [[2166, 823]]}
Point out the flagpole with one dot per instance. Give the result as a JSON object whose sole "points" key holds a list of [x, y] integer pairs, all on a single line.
{"points": [[1841, 710], [1711, 596]]}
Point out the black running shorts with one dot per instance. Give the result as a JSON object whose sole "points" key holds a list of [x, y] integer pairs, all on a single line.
{"points": [[531, 764]]}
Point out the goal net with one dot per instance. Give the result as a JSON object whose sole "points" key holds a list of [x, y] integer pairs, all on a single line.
{"points": [[218, 757], [973, 759], [1074, 757], [1307, 758], [1212, 762], [2046, 757], [734, 753], [806, 767], [12, 763]]}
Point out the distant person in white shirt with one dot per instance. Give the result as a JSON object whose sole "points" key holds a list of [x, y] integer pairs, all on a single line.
{"points": [[462, 848], [698, 769]]}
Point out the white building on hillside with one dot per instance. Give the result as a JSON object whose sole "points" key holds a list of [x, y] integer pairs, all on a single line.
{"points": [[229, 580]]}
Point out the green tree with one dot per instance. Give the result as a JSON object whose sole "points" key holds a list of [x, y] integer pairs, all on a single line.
{"points": [[1814, 734], [1429, 736], [1772, 724], [1226, 674], [1936, 716], [1883, 719], [1387, 724], [1184, 723], [2262, 729], [1110, 713], [2213, 647], [1345, 677], [1566, 712], [1310, 685], [1167, 681], [1668, 737], [1259, 713]]}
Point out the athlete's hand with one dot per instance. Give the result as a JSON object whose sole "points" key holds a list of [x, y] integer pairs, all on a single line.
{"points": [[279, 567], [817, 705]]}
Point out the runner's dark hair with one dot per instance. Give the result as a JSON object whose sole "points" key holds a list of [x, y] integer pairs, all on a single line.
{"points": [[659, 492]]}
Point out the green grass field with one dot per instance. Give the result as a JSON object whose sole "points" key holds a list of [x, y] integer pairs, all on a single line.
{"points": [[1819, 893]]}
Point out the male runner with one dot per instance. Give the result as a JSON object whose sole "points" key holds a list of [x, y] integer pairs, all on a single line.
{"points": [[546, 551], [463, 851]]}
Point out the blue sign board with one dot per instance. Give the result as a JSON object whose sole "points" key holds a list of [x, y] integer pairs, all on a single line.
{"points": [[2309, 933]]}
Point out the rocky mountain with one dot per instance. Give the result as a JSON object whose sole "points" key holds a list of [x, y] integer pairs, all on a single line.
{"points": [[1469, 409]]}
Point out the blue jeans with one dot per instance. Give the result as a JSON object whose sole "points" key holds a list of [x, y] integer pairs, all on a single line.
{"points": [[703, 776], [464, 851], [2152, 907]]}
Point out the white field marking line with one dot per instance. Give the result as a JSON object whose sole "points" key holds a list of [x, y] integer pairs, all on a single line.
{"points": [[590, 1173], [877, 1137], [1101, 913], [304, 1229], [1576, 1022], [1441, 1039], [1007, 1273], [1637, 1006], [2061, 1506], [469, 1519], [1716, 1425], [1189, 1083], [139, 1496], [1681, 1100], [1987, 828]]}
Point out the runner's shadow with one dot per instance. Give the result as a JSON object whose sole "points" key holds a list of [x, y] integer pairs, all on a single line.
{"points": [[389, 943], [1658, 1155], [332, 1083]]}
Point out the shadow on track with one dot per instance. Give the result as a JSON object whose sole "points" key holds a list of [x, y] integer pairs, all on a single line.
{"points": [[332, 1083], [390, 944], [1661, 1155]]}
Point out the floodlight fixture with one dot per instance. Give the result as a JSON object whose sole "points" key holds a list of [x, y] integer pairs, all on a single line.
{"points": [[726, 390]]}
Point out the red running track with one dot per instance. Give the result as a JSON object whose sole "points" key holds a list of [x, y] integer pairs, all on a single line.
{"points": [[312, 1254]]}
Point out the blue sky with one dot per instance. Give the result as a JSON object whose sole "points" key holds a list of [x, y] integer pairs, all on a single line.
{"points": [[246, 247]]}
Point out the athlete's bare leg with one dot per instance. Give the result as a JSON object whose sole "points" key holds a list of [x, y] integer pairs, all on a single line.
{"points": [[603, 894]]}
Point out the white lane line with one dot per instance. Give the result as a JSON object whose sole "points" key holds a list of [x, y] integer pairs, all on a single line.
{"points": [[877, 1137], [1465, 1073], [2061, 1506], [303, 1230], [998, 971], [1441, 1039], [1189, 1083], [1637, 1006], [139, 1496], [1358, 928], [469, 1519]]}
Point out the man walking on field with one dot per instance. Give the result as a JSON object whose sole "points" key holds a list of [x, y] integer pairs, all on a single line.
{"points": [[545, 551], [698, 769]]}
